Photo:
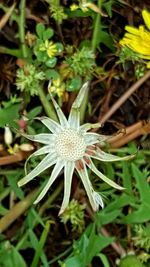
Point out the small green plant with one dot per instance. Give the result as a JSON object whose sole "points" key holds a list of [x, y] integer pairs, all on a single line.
{"points": [[142, 237], [77, 65], [57, 11], [82, 62], [75, 214], [29, 78], [45, 49], [128, 55]]}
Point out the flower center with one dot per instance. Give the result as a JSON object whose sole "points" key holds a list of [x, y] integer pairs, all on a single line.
{"points": [[70, 145]]}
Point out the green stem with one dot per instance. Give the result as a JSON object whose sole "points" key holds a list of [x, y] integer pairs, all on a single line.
{"points": [[22, 240], [41, 245], [48, 107], [22, 28], [13, 52], [5, 192], [50, 200], [97, 26], [84, 107], [60, 255]]}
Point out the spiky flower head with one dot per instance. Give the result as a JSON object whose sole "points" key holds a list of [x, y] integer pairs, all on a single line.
{"points": [[71, 147]]}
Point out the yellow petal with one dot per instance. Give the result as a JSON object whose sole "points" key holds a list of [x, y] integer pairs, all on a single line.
{"points": [[56, 82], [46, 43], [131, 36], [148, 65], [132, 30], [74, 7], [146, 17]]}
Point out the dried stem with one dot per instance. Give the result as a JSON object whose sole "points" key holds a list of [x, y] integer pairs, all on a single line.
{"points": [[131, 133], [6, 16], [9, 159], [16, 211], [115, 245], [124, 97]]}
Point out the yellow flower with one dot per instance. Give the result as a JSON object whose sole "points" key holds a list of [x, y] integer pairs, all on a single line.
{"points": [[85, 6], [13, 149], [74, 7], [50, 48], [138, 39], [57, 87]]}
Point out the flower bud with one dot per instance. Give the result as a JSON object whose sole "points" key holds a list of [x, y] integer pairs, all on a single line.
{"points": [[26, 147], [8, 137]]}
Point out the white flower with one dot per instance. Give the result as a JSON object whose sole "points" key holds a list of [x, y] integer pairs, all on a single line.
{"points": [[70, 146]]}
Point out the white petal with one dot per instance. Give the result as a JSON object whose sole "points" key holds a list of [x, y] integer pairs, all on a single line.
{"points": [[74, 116], [47, 162], [98, 200], [60, 114], [52, 125], [103, 177], [43, 150], [42, 138], [102, 156], [87, 126], [58, 167], [88, 186], [93, 138], [69, 168]]}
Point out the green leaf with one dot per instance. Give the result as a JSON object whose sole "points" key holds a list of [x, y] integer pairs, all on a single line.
{"points": [[59, 47], [127, 178], [78, 13], [95, 245], [141, 213], [74, 85], [33, 218], [9, 114], [35, 243], [142, 184], [88, 246], [34, 112], [108, 7], [40, 245], [47, 34], [73, 262], [52, 74], [51, 62], [106, 39], [9, 256], [120, 202], [104, 217], [12, 179], [40, 28], [103, 259], [130, 260], [41, 56]]}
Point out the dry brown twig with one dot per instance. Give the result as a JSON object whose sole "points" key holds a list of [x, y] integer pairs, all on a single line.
{"points": [[10, 159], [130, 133], [16, 211], [6, 17], [124, 97]]}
